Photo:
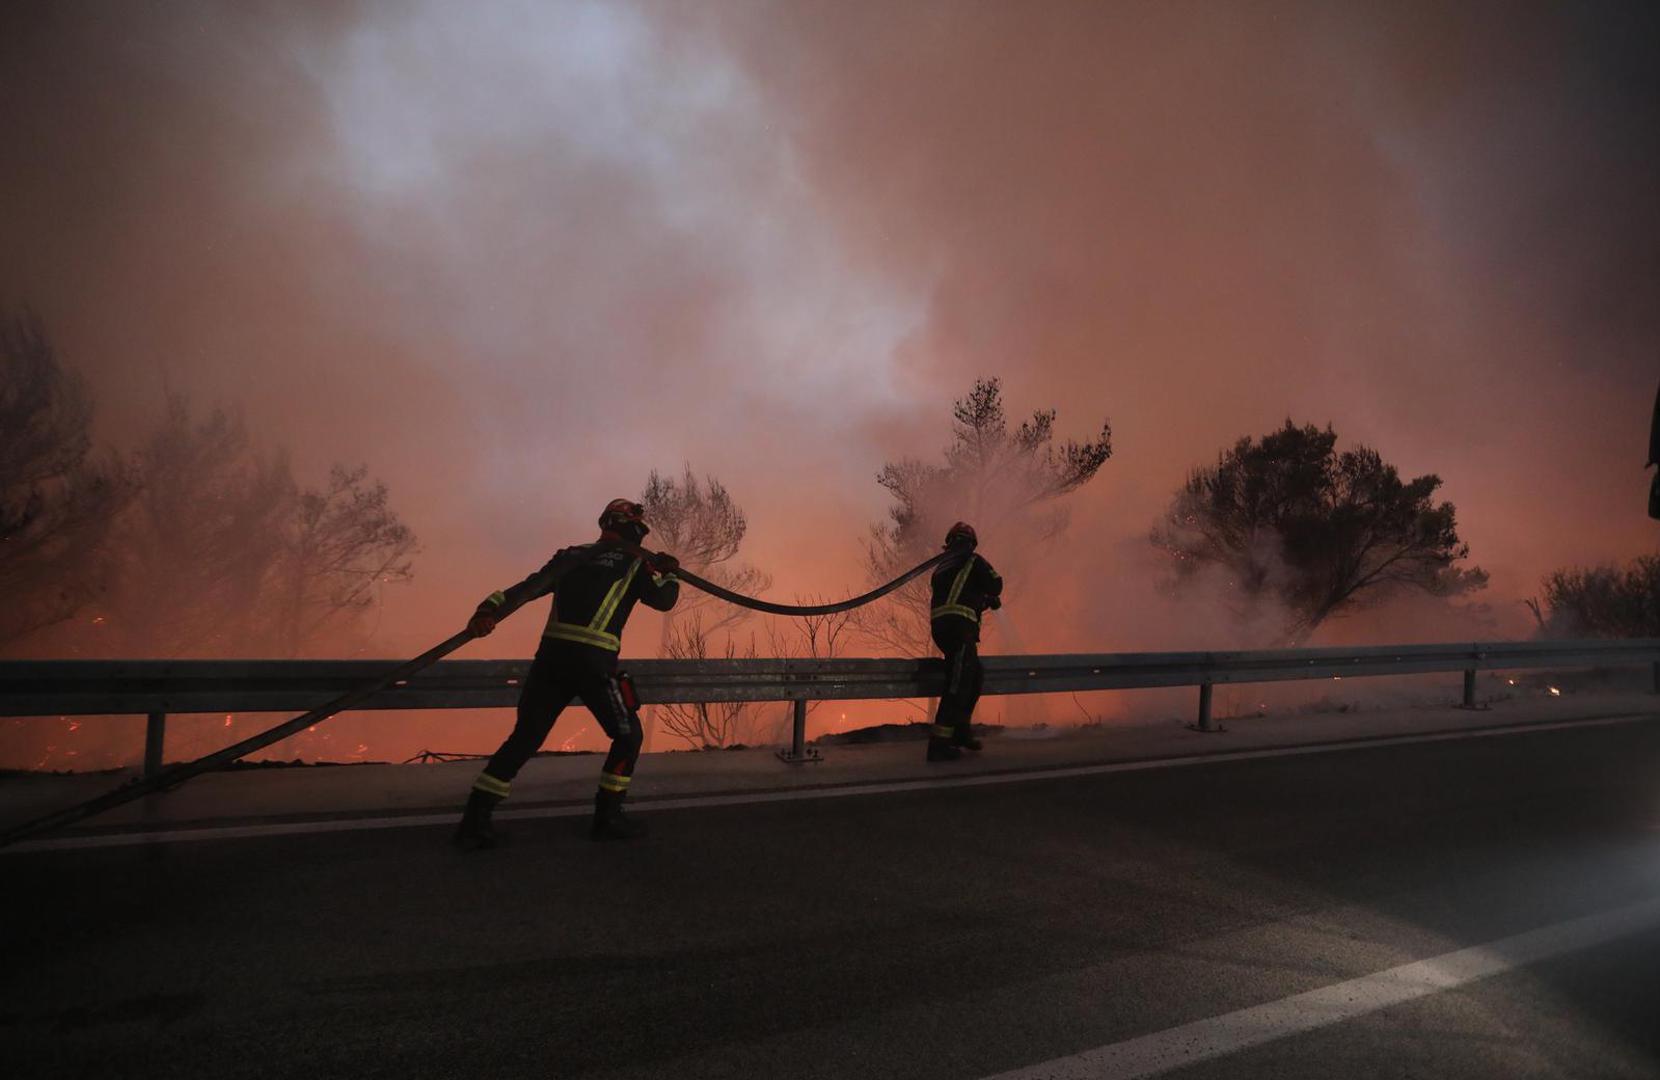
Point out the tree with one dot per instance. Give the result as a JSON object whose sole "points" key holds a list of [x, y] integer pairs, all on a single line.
{"points": [[57, 502], [721, 724], [1289, 519], [700, 524], [704, 725], [203, 538], [1010, 485], [343, 544], [1603, 602], [226, 553]]}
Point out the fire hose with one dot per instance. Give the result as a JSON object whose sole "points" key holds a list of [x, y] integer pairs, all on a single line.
{"points": [[173, 775], [755, 604]]}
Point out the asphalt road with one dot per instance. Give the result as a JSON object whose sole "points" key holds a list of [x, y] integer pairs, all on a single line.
{"points": [[954, 933]]}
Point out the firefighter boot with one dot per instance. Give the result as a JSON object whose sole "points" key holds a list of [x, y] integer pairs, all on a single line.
{"points": [[940, 749], [610, 823], [475, 831], [964, 738]]}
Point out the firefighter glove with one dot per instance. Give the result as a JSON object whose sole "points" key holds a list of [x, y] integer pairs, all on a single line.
{"points": [[481, 623], [664, 563]]}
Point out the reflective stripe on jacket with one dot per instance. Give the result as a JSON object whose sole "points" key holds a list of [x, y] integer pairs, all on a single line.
{"points": [[963, 586], [595, 588]]}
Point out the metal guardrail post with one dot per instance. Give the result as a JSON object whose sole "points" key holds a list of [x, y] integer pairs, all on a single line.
{"points": [[798, 752], [1204, 723], [1469, 688], [155, 738]]}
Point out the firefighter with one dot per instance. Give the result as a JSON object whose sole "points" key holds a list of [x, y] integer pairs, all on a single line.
{"points": [[964, 586], [595, 587]]}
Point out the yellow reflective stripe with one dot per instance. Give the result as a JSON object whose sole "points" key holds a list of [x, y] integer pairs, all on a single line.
{"points": [[664, 579], [602, 618], [491, 786], [951, 607], [568, 632], [497, 598], [957, 585], [611, 782], [943, 732]]}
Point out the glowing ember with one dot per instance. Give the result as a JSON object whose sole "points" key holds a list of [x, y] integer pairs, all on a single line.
{"points": [[228, 719], [1554, 692]]}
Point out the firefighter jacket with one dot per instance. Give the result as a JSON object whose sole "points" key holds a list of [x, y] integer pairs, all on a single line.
{"points": [[594, 587], [964, 586]]}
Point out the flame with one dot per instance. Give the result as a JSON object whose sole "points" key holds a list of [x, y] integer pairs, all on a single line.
{"points": [[1554, 692], [228, 719]]}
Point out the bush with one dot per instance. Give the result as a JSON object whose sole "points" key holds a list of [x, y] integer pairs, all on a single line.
{"points": [[1604, 601]]}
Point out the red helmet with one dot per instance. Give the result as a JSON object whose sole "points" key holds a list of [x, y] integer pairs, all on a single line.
{"points": [[961, 533], [621, 512]]}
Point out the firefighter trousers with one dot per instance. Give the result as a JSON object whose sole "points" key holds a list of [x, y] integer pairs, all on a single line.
{"points": [[964, 678], [560, 673]]}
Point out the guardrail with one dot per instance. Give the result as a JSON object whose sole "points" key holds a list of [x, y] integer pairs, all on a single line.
{"points": [[155, 688]]}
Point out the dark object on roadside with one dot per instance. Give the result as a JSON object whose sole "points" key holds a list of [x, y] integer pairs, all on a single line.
{"points": [[915, 731]]}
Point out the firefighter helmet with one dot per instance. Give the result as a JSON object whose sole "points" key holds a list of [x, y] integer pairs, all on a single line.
{"points": [[961, 533], [621, 513]]}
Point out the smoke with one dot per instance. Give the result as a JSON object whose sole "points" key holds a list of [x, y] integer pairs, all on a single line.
{"points": [[512, 256], [1412, 224]]}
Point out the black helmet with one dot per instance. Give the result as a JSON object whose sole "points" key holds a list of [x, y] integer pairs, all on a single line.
{"points": [[621, 515], [961, 533]]}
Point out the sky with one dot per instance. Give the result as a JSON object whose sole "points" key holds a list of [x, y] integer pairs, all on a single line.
{"points": [[514, 255]]}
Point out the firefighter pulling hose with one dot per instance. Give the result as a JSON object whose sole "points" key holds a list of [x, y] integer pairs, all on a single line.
{"points": [[595, 588], [964, 587], [599, 584]]}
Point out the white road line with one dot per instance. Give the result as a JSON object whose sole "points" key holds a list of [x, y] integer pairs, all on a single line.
{"points": [[293, 828], [1204, 1040]]}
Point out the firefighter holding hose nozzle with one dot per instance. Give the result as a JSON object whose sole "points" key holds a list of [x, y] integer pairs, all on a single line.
{"points": [[964, 586], [595, 588]]}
